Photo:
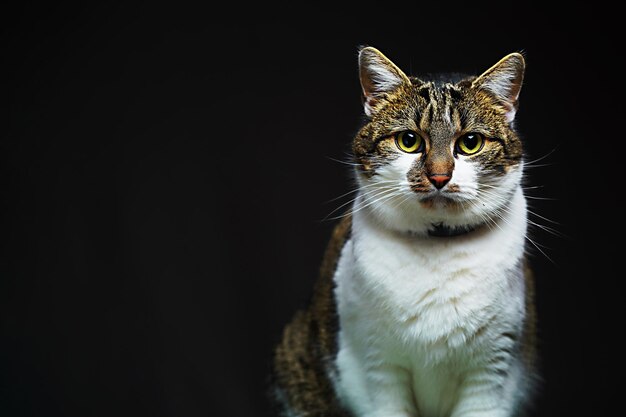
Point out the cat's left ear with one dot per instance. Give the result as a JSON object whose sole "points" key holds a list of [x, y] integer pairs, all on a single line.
{"points": [[504, 82], [379, 76]]}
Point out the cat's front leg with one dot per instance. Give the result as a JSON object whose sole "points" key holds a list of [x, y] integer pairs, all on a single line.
{"points": [[373, 387], [390, 392], [488, 393]]}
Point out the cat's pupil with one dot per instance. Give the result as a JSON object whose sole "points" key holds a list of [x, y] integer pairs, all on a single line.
{"points": [[471, 141], [408, 140]]}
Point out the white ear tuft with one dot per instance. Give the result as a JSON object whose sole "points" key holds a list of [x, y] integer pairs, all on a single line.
{"points": [[378, 76], [504, 82]]}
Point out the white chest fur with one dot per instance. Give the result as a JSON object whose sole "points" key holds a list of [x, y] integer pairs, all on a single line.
{"points": [[418, 314]]}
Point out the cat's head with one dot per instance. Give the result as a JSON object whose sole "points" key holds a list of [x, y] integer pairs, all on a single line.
{"points": [[435, 153]]}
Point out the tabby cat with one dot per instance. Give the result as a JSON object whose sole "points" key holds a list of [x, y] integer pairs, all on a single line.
{"points": [[424, 306]]}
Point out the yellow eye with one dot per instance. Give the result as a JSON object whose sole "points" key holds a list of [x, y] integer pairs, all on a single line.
{"points": [[409, 141], [470, 143]]}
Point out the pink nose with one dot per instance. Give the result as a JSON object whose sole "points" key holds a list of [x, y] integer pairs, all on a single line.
{"points": [[439, 180]]}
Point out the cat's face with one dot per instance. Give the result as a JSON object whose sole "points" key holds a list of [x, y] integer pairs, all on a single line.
{"points": [[437, 153]]}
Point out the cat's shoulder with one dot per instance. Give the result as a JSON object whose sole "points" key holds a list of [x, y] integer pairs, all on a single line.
{"points": [[303, 358], [341, 234]]}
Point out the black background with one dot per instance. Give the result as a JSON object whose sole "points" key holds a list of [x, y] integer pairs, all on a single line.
{"points": [[165, 173]]}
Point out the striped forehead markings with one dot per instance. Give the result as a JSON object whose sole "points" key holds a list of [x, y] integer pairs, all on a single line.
{"points": [[454, 95], [440, 108]]}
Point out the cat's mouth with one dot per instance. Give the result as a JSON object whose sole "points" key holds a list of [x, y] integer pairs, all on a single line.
{"points": [[440, 201]]}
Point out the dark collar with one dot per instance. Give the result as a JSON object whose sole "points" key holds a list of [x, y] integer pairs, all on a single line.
{"points": [[441, 230]]}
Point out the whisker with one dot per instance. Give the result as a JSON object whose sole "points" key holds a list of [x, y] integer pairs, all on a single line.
{"points": [[542, 217], [497, 199], [546, 228], [407, 197], [392, 192], [388, 195], [543, 157], [532, 197], [531, 166], [354, 164], [492, 195], [377, 193], [528, 238], [359, 188]]}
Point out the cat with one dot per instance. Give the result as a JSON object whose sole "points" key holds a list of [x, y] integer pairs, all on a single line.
{"points": [[424, 304]]}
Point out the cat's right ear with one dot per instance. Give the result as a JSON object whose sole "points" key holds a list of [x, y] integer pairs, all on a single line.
{"points": [[504, 82], [379, 76]]}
